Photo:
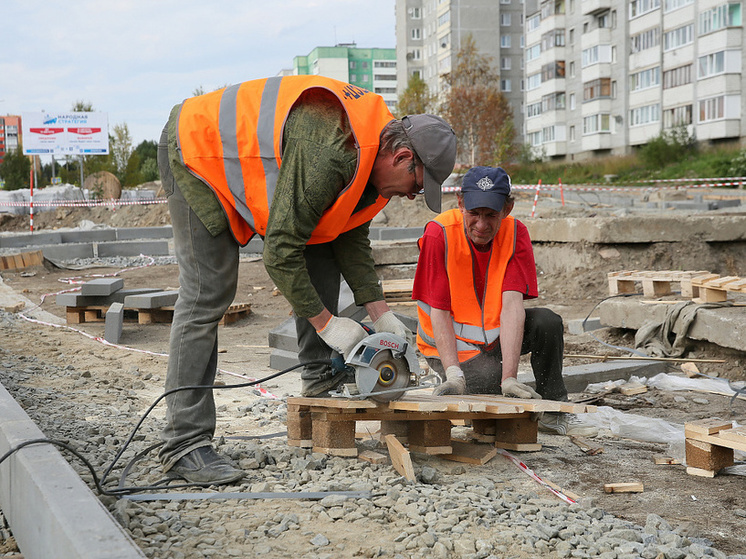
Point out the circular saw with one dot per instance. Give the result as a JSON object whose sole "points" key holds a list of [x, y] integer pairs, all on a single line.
{"points": [[385, 365]]}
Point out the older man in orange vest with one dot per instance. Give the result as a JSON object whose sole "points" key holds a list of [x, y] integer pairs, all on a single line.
{"points": [[475, 269], [305, 162]]}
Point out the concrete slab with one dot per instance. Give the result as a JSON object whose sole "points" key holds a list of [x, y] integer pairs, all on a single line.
{"points": [[64, 252], [130, 233], [114, 323], [725, 326], [30, 239], [78, 300], [284, 337], [133, 248], [153, 300], [638, 229], [576, 326], [88, 236], [101, 286], [578, 377], [395, 252], [51, 511], [400, 233], [281, 359]]}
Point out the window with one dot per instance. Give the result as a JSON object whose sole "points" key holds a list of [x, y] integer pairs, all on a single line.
{"points": [[353, 64], [548, 134], [645, 40], [365, 78], [678, 37], [382, 90], [534, 138], [505, 85], [572, 133], [645, 79], [572, 69], [571, 36], [533, 52], [416, 35], [505, 63], [505, 20], [677, 76], [552, 7], [533, 81], [712, 109], [727, 15], [644, 115], [572, 101], [532, 23], [444, 18], [595, 89], [385, 77], [504, 1], [639, 7], [505, 41], [555, 38], [532, 110], [553, 70], [677, 116], [604, 20], [384, 64], [596, 123], [595, 54], [670, 5], [711, 64], [553, 102]]}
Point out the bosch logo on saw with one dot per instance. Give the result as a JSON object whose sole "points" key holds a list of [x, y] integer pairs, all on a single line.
{"points": [[389, 343]]}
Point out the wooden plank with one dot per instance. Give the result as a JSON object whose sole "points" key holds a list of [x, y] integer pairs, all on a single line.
{"points": [[470, 453], [335, 435], [340, 403], [699, 472], [587, 446], [690, 369], [708, 426], [519, 447], [715, 440], [373, 457], [632, 388], [665, 460], [516, 431], [737, 434], [566, 492], [631, 487], [434, 433], [400, 458]]}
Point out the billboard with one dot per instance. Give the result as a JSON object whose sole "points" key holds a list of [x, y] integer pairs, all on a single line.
{"points": [[71, 133]]}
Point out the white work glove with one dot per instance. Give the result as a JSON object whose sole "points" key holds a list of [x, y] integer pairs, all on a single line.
{"points": [[455, 383], [514, 389], [342, 334], [388, 322]]}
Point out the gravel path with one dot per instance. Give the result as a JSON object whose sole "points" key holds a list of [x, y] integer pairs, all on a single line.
{"points": [[452, 511]]}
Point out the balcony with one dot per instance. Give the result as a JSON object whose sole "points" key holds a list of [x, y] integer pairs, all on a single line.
{"points": [[593, 7]]}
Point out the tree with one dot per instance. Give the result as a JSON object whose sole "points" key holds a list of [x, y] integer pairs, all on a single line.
{"points": [[416, 99], [480, 115], [121, 148], [15, 170], [147, 151]]}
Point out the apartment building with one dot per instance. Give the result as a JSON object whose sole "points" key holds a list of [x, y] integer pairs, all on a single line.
{"points": [[604, 76], [373, 69], [10, 134], [429, 34]]}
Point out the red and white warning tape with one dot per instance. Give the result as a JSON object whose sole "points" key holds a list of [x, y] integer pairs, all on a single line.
{"points": [[85, 203], [528, 471]]}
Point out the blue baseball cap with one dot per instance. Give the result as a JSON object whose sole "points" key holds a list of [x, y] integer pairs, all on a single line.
{"points": [[485, 187]]}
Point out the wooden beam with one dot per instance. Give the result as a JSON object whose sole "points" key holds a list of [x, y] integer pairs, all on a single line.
{"points": [[631, 487], [400, 458]]}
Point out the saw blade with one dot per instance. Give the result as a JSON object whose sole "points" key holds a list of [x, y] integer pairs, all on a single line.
{"points": [[392, 374]]}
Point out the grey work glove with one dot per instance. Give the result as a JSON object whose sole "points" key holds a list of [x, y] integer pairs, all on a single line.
{"points": [[388, 322], [514, 389], [342, 334], [455, 383]]}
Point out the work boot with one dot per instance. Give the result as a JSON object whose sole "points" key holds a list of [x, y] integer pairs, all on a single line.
{"points": [[204, 465], [559, 423]]}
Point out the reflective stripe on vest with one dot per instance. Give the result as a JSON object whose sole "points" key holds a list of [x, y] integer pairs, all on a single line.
{"points": [[232, 139], [475, 326]]}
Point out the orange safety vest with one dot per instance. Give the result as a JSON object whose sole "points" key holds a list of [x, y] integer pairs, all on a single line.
{"points": [[231, 139], [476, 325]]}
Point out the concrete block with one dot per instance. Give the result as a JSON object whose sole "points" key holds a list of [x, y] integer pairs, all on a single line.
{"points": [[30, 239], [403, 271], [101, 286], [133, 248], [400, 233], [153, 300], [64, 252], [88, 236], [724, 326], [130, 233], [280, 359], [114, 323], [284, 337], [255, 246], [51, 511], [576, 327], [78, 300], [395, 252]]}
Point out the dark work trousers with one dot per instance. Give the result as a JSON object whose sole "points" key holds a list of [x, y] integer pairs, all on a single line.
{"points": [[543, 338], [208, 277], [326, 279]]}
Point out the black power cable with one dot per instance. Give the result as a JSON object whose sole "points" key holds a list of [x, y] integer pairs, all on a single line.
{"points": [[121, 490]]}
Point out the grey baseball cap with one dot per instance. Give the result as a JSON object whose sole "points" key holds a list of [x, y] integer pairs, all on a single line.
{"points": [[435, 144]]}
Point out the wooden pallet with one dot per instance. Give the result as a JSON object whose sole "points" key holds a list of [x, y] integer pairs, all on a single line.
{"points": [[22, 260], [97, 313], [700, 285], [397, 290], [327, 425], [710, 444]]}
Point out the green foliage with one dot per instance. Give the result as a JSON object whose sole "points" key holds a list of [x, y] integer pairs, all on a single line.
{"points": [[669, 145], [416, 99], [737, 167], [15, 170]]}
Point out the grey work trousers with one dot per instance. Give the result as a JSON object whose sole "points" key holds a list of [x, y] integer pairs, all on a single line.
{"points": [[208, 277], [543, 338]]}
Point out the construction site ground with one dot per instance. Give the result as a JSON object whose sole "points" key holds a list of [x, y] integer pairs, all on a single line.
{"points": [[714, 509]]}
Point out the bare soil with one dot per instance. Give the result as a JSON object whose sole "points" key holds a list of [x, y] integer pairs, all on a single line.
{"points": [[706, 508]]}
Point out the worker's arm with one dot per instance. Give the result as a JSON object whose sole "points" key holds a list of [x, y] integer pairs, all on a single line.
{"points": [[512, 320], [445, 337]]}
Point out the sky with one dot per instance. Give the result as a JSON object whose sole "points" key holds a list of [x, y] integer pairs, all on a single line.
{"points": [[136, 59]]}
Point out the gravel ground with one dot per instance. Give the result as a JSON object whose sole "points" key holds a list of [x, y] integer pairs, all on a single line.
{"points": [[451, 511]]}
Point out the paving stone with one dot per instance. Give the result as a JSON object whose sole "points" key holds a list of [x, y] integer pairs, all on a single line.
{"points": [[101, 286], [114, 323], [153, 300]]}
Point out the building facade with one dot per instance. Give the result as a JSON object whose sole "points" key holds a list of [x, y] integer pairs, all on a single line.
{"points": [[10, 134], [373, 69], [429, 34], [604, 76]]}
